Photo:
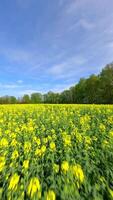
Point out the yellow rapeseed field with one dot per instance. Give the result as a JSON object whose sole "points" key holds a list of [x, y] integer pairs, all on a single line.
{"points": [[52, 152]]}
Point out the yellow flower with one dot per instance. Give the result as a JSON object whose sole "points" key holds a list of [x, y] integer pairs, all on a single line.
{"points": [[67, 140], [37, 140], [87, 140], [30, 128], [43, 149], [38, 152], [14, 142], [51, 195], [52, 146], [84, 119], [4, 142], [33, 187], [78, 173], [65, 166], [102, 128], [15, 154], [105, 144], [2, 163], [27, 146], [56, 168], [26, 164], [14, 182], [111, 133]]}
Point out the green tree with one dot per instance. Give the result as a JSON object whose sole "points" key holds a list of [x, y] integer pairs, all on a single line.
{"points": [[106, 84], [12, 100], [26, 98], [51, 97], [80, 91], [36, 98], [92, 90]]}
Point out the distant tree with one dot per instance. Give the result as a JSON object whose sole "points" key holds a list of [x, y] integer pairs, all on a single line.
{"points": [[80, 91], [91, 88], [26, 98], [65, 97], [36, 98], [51, 97], [12, 100], [106, 84], [72, 94]]}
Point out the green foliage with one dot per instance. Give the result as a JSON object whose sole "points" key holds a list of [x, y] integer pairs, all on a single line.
{"points": [[36, 98], [26, 99]]}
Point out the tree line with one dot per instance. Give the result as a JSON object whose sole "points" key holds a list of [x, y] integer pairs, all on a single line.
{"points": [[97, 89]]}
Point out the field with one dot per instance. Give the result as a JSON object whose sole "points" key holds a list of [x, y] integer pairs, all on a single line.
{"points": [[50, 152]]}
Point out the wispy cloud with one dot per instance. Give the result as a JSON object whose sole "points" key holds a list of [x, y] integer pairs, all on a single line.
{"points": [[67, 68], [20, 81], [86, 24], [19, 55], [10, 86], [15, 85]]}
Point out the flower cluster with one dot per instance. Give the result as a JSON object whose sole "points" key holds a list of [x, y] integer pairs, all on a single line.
{"points": [[52, 152]]}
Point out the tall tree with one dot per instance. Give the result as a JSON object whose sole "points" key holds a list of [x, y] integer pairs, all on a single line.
{"points": [[26, 98], [106, 84], [36, 98], [92, 89]]}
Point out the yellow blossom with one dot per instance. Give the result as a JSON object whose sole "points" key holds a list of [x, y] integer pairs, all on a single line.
{"points": [[67, 140], [102, 127], [4, 142], [65, 166], [33, 187], [38, 152], [78, 173], [15, 154], [27, 146], [43, 149], [37, 140], [26, 164], [2, 163], [14, 142], [51, 195], [14, 182], [52, 146], [111, 133]]}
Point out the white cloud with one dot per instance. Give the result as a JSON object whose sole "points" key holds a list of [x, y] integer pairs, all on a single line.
{"points": [[67, 68], [86, 24], [10, 86], [20, 81], [110, 45]]}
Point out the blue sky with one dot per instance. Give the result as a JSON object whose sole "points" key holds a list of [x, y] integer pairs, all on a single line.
{"points": [[50, 44]]}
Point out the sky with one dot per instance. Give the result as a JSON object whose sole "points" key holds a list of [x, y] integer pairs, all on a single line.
{"points": [[48, 45]]}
